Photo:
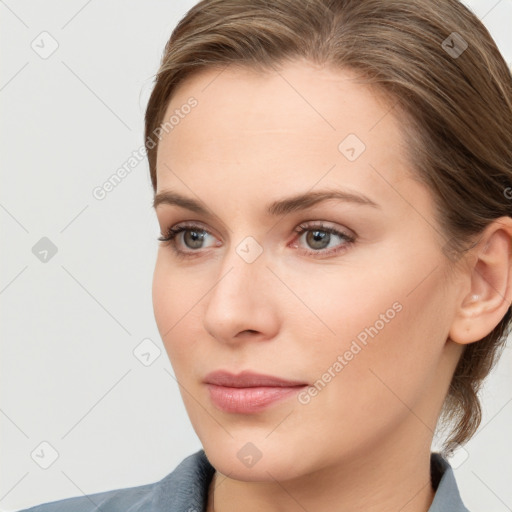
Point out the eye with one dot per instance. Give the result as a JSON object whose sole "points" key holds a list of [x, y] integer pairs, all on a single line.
{"points": [[193, 237], [319, 236]]}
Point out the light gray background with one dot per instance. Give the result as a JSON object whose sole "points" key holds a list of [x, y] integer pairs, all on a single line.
{"points": [[69, 326]]}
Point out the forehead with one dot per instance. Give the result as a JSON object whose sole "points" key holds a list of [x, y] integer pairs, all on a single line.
{"points": [[290, 124]]}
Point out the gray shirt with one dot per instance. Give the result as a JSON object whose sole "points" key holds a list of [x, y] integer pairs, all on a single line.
{"points": [[186, 490]]}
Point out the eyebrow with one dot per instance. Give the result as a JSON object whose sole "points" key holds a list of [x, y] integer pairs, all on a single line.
{"points": [[276, 208]]}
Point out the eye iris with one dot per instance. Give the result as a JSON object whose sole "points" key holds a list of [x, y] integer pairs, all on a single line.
{"points": [[196, 238], [318, 236]]}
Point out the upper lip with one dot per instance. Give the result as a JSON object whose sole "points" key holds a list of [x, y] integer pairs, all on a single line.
{"points": [[248, 379]]}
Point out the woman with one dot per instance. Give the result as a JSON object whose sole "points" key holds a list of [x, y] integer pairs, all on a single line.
{"points": [[332, 182]]}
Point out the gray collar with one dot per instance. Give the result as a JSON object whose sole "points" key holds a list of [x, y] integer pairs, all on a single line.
{"points": [[447, 497]]}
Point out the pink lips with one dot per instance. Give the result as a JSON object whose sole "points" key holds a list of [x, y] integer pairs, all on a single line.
{"points": [[248, 392]]}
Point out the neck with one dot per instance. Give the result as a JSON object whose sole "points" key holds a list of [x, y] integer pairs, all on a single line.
{"points": [[379, 481]]}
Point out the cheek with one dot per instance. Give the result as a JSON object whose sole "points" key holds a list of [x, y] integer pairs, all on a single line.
{"points": [[391, 320], [164, 296], [174, 298]]}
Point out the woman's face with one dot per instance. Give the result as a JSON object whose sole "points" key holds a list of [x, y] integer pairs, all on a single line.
{"points": [[359, 316]]}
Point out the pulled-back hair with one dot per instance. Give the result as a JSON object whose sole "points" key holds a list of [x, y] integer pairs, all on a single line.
{"points": [[442, 73]]}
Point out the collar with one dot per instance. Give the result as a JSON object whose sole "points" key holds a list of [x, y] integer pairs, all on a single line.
{"points": [[447, 497]]}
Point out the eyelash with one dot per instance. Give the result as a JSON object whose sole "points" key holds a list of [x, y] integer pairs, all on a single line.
{"points": [[173, 232]]}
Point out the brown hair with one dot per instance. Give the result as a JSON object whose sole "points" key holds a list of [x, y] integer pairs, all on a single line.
{"points": [[440, 69]]}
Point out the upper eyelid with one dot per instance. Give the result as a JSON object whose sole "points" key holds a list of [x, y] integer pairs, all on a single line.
{"points": [[299, 229], [307, 224]]}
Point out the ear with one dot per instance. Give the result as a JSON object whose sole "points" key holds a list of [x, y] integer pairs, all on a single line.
{"points": [[490, 284]]}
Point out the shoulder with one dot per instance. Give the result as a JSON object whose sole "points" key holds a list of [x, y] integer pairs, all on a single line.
{"points": [[185, 487]]}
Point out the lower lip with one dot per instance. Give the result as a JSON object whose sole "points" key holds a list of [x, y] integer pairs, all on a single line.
{"points": [[249, 400]]}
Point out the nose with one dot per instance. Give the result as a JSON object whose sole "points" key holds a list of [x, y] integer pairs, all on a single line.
{"points": [[242, 303]]}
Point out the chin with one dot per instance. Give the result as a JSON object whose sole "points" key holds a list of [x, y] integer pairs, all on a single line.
{"points": [[255, 461]]}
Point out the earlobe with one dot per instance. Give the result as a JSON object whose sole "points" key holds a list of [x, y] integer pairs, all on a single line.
{"points": [[490, 276]]}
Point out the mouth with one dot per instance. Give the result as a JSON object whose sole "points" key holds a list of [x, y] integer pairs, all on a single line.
{"points": [[248, 392]]}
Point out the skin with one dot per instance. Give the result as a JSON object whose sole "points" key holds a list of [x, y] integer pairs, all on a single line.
{"points": [[363, 442]]}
